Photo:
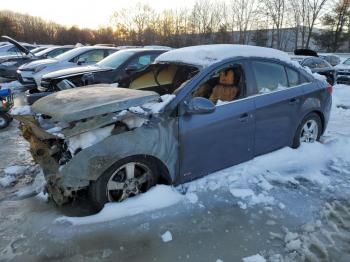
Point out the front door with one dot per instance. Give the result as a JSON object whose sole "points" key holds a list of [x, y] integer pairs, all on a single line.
{"points": [[210, 142]]}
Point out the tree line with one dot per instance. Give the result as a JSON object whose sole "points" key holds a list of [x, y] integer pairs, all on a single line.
{"points": [[273, 23]]}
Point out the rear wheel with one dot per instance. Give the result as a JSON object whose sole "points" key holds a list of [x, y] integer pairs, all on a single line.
{"points": [[309, 130], [126, 178], [5, 120]]}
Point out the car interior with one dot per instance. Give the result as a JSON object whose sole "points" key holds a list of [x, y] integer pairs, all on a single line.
{"points": [[162, 78], [226, 85]]}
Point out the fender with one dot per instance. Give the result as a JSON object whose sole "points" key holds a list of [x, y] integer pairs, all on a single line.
{"points": [[158, 139]]}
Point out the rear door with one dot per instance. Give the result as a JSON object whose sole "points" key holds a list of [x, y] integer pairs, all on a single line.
{"points": [[278, 102]]}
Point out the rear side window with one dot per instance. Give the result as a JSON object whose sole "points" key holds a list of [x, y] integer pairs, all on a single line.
{"points": [[269, 76], [293, 77]]}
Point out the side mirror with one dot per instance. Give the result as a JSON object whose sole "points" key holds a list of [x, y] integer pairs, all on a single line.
{"points": [[81, 61], [131, 68], [200, 105]]}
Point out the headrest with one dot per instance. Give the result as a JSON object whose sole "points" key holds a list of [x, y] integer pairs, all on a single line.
{"points": [[227, 77]]}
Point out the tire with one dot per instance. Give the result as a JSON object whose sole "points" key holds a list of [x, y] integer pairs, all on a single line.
{"points": [[5, 120], [301, 136], [116, 176]]}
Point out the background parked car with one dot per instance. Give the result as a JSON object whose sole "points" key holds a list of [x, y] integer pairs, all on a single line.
{"points": [[112, 69], [331, 58], [10, 49], [30, 74], [343, 72], [9, 64], [318, 65]]}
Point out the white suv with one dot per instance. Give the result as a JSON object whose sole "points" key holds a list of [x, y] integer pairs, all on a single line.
{"points": [[30, 74]]}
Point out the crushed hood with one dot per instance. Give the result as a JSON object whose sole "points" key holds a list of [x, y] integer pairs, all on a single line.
{"points": [[37, 63], [18, 45], [85, 102]]}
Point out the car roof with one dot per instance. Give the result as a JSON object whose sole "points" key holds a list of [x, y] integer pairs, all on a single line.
{"points": [[98, 47], [205, 55], [144, 49]]}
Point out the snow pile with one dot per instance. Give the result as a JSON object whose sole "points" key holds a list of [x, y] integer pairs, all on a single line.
{"points": [[88, 139], [156, 107], [167, 236], [13, 173], [158, 197], [21, 110], [251, 183], [341, 96], [192, 197], [205, 55], [255, 258], [134, 121], [36, 188]]}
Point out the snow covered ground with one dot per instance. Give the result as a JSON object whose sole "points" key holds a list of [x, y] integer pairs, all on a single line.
{"points": [[289, 205]]}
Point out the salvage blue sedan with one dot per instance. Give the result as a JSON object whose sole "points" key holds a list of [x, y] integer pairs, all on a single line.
{"points": [[194, 111]]}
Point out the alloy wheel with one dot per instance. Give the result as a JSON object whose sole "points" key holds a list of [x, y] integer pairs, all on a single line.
{"points": [[128, 180], [309, 132]]}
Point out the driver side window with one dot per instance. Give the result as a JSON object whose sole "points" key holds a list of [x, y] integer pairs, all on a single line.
{"points": [[224, 85]]}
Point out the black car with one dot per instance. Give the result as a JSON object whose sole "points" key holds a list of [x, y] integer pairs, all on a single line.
{"points": [[113, 69], [9, 64], [318, 65]]}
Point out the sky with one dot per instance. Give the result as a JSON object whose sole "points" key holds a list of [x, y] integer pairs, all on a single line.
{"points": [[83, 13]]}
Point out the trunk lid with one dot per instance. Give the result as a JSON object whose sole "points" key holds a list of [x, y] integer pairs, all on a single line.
{"points": [[18, 45]]}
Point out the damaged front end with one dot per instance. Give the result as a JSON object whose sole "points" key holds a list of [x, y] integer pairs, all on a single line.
{"points": [[63, 126]]}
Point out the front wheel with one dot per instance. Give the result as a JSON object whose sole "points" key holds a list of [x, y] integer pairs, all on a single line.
{"points": [[309, 130], [126, 178]]}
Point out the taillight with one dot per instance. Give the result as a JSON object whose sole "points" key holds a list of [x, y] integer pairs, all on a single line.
{"points": [[4, 103], [329, 88]]}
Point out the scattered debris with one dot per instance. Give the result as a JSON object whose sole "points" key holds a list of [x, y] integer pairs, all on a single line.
{"points": [[167, 236]]}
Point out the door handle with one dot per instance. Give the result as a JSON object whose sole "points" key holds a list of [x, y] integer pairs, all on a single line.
{"points": [[244, 117], [293, 101]]}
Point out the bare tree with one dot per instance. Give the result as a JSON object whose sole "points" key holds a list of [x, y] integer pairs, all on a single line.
{"points": [[244, 13], [276, 10], [315, 8]]}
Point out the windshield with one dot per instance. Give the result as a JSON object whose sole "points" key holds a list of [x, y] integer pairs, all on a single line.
{"points": [[347, 61], [115, 60], [70, 54], [45, 51]]}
